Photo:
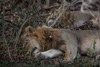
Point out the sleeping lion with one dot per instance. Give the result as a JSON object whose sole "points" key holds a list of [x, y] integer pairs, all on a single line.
{"points": [[46, 42]]}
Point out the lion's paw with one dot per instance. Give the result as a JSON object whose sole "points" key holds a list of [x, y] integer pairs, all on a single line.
{"points": [[39, 56], [66, 62]]}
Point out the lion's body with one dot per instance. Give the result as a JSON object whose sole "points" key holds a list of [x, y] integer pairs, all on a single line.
{"points": [[51, 42], [72, 18], [75, 18]]}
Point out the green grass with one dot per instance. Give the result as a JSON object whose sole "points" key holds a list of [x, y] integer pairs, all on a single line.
{"points": [[37, 63], [7, 64], [87, 61]]}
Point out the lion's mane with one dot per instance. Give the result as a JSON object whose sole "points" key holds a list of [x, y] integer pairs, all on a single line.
{"points": [[47, 37]]}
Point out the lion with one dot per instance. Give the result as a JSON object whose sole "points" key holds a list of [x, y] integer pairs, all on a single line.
{"points": [[72, 18], [47, 42]]}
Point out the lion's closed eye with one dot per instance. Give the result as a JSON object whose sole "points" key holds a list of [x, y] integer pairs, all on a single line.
{"points": [[34, 49]]}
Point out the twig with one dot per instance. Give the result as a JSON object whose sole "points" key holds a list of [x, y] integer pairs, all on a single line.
{"points": [[19, 32], [63, 11], [46, 8], [8, 50], [75, 2]]}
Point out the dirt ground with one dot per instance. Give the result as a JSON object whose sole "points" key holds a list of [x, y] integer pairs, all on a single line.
{"points": [[15, 16]]}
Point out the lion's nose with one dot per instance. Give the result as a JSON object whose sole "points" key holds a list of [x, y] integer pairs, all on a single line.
{"points": [[33, 52], [34, 49]]}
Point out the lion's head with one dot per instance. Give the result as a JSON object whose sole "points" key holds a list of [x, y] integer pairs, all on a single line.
{"points": [[40, 38]]}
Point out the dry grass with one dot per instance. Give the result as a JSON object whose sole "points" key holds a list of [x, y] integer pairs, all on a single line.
{"points": [[13, 15]]}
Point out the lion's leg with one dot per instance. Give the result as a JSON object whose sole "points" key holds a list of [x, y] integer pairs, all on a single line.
{"points": [[48, 54], [70, 53]]}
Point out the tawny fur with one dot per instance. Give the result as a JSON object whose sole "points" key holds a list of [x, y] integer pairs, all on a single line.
{"points": [[51, 42], [72, 18], [46, 37]]}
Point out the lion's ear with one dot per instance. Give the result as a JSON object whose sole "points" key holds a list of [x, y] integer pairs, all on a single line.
{"points": [[29, 29], [45, 26]]}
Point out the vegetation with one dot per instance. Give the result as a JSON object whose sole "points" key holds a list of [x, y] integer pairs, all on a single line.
{"points": [[15, 15]]}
